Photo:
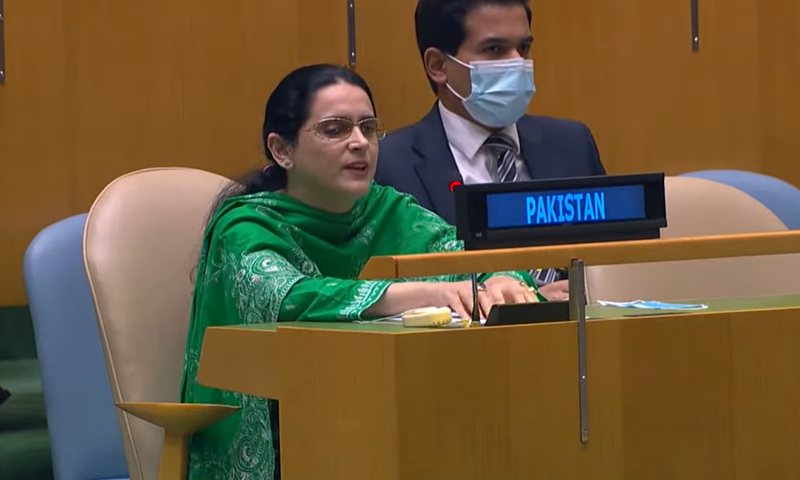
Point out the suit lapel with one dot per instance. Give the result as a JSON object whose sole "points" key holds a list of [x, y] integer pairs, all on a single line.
{"points": [[435, 164], [530, 138]]}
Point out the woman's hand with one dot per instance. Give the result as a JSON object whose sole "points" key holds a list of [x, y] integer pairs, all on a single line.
{"points": [[556, 291], [510, 290], [497, 290]]}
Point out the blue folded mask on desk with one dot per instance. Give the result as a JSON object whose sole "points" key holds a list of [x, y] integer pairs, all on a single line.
{"points": [[653, 305]]}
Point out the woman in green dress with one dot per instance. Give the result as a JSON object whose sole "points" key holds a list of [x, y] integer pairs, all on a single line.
{"points": [[289, 241]]}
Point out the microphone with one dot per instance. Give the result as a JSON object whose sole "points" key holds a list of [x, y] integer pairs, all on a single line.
{"points": [[454, 180]]}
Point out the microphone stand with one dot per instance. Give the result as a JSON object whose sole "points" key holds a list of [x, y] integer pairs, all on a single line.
{"points": [[475, 310]]}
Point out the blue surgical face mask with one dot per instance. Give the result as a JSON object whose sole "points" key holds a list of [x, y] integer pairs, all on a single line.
{"points": [[654, 305], [501, 90]]}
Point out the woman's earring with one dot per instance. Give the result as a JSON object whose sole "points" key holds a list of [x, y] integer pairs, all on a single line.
{"points": [[287, 164]]}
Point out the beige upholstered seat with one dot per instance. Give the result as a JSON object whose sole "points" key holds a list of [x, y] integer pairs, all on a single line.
{"points": [[698, 207], [142, 242]]}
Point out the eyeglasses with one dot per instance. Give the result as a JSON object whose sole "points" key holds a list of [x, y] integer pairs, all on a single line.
{"points": [[338, 129]]}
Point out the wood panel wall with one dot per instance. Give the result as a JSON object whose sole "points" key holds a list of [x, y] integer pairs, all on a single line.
{"points": [[97, 88], [627, 69]]}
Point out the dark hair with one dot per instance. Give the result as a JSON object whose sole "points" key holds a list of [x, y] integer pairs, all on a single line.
{"points": [[440, 23], [288, 108]]}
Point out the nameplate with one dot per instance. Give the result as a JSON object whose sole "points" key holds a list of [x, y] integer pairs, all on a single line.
{"points": [[567, 210], [560, 207]]}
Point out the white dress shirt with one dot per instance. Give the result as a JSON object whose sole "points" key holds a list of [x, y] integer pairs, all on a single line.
{"points": [[474, 162]]}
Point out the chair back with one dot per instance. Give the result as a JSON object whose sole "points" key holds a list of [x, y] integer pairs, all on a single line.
{"points": [[85, 440], [781, 198], [141, 246], [699, 207]]}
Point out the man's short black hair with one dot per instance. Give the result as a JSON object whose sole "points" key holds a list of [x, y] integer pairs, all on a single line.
{"points": [[440, 23]]}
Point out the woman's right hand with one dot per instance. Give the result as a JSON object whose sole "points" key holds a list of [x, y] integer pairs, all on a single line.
{"points": [[455, 295]]}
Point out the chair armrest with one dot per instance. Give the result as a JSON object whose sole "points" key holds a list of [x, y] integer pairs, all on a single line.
{"points": [[179, 421], [178, 418]]}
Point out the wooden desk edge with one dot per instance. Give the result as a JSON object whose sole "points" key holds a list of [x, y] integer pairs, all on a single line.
{"points": [[230, 356], [593, 254]]}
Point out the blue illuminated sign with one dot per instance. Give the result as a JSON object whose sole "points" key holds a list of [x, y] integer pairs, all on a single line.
{"points": [[565, 207]]}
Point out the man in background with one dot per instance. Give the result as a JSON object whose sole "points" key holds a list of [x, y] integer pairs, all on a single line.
{"points": [[476, 54]]}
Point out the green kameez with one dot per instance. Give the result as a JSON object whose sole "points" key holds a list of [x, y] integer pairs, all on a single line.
{"points": [[267, 258]]}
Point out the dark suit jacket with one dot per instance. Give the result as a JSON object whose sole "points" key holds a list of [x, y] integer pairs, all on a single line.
{"points": [[417, 159]]}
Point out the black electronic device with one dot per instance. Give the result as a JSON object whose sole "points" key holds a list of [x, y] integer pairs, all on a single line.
{"points": [[527, 313]]}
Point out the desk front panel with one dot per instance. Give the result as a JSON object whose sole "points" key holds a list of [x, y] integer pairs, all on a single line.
{"points": [[709, 395]]}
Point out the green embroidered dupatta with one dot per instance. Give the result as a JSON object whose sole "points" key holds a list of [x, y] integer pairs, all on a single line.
{"points": [[267, 258]]}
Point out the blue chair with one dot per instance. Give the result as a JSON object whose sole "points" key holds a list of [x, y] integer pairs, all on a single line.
{"points": [[85, 438], [781, 198]]}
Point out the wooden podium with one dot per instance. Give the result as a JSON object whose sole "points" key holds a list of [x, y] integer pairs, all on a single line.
{"points": [[711, 395]]}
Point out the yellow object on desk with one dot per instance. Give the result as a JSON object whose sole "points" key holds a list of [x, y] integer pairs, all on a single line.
{"points": [[427, 317]]}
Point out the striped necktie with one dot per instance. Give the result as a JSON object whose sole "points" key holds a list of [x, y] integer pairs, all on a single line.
{"points": [[503, 157]]}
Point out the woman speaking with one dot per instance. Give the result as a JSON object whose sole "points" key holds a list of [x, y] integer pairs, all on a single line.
{"points": [[289, 241]]}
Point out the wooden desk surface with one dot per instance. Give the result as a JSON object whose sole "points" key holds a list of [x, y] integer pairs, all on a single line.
{"points": [[593, 312], [709, 395]]}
